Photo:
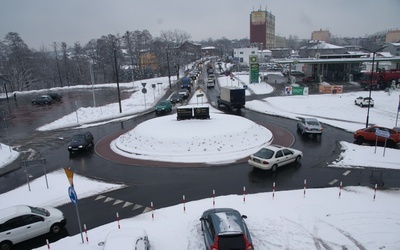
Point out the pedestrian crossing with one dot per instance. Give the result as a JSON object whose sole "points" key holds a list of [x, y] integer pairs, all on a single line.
{"points": [[124, 204]]}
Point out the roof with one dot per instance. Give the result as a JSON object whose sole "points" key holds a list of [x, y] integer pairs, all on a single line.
{"points": [[225, 220], [9, 212]]}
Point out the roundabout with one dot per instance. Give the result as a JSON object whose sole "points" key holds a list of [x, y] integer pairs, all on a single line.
{"points": [[165, 141]]}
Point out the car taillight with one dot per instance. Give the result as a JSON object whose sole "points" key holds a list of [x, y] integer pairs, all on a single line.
{"points": [[215, 245], [249, 246], [265, 162]]}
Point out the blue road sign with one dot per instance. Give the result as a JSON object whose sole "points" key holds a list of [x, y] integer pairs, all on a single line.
{"points": [[72, 195]]}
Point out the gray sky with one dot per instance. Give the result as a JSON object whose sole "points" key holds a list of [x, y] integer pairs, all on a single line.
{"points": [[42, 22]]}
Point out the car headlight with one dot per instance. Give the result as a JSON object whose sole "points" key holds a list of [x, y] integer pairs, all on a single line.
{"points": [[80, 146]]}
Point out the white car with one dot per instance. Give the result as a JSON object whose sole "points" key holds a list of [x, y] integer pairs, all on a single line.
{"points": [[273, 156], [128, 238], [22, 222], [210, 83], [364, 101], [309, 126]]}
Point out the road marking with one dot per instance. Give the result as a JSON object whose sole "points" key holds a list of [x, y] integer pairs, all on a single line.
{"points": [[100, 197], [333, 182], [346, 173], [108, 199], [136, 207], [127, 204], [117, 202]]}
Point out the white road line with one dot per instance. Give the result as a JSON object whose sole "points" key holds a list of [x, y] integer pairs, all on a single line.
{"points": [[333, 182], [346, 173]]}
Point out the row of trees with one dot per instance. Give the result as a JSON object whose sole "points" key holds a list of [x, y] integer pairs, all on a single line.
{"points": [[22, 68]]}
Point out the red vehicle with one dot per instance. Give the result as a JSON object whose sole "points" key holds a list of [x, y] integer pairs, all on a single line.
{"points": [[369, 134], [380, 80]]}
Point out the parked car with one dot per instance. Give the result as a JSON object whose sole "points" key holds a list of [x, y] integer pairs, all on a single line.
{"points": [[129, 238], [163, 107], [273, 156], [293, 73], [369, 134], [43, 99], [225, 228], [364, 101], [309, 126], [176, 97], [80, 142], [184, 93], [22, 222]]}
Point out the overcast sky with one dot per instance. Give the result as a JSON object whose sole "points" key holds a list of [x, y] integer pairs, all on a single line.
{"points": [[42, 22]]}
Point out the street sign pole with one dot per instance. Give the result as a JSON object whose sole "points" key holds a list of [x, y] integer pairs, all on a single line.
{"points": [[74, 199]]}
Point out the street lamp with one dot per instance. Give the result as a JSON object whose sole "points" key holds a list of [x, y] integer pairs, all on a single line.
{"points": [[371, 78]]}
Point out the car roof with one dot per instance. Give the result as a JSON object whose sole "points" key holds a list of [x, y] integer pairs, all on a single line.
{"points": [[10, 212], [225, 220], [126, 237]]}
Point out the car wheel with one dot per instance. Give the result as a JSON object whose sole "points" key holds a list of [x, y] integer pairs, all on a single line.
{"points": [[55, 228], [298, 158], [360, 140], [391, 144], [5, 245], [274, 167]]}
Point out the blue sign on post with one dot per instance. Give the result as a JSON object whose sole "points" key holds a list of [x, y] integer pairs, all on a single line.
{"points": [[72, 195]]}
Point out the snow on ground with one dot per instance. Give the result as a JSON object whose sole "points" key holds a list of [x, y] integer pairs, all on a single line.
{"points": [[328, 218]]}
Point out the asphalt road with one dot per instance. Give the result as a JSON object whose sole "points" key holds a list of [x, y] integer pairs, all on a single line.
{"points": [[165, 185]]}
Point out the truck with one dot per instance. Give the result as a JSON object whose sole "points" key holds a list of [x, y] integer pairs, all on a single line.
{"points": [[380, 80], [232, 97], [186, 83]]}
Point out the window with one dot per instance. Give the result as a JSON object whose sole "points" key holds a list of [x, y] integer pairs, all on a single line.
{"points": [[279, 154]]}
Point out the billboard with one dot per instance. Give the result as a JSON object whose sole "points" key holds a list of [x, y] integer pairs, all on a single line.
{"points": [[290, 90], [330, 89], [258, 17]]}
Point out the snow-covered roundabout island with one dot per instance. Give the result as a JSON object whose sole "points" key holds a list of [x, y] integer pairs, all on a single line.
{"points": [[219, 140]]}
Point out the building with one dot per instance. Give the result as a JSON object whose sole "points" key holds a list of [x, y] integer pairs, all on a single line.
{"points": [[242, 54], [393, 48], [393, 36], [321, 35], [262, 29]]}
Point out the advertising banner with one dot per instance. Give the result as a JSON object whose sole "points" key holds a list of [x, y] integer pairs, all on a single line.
{"points": [[330, 89], [289, 90]]}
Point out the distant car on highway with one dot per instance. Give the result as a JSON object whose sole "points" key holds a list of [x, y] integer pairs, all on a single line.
{"points": [[176, 97], [364, 101], [81, 142], [163, 107], [273, 156], [309, 126], [293, 73], [43, 99], [184, 93]]}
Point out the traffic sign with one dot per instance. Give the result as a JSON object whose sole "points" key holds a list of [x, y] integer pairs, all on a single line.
{"points": [[382, 133], [72, 195], [144, 90], [144, 84], [199, 95]]}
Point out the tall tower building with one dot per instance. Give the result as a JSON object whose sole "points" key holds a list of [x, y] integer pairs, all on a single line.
{"points": [[262, 29]]}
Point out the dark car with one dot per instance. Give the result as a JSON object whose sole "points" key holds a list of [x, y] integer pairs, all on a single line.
{"points": [[43, 99], [55, 96], [176, 97], [81, 142], [163, 107], [225, 228]]}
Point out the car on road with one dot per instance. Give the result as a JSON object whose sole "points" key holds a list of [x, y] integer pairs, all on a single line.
{"points": [[163, 107], [294, 73], [129, 238], [81, 142], [370, 135], [225, 228], [43, 99], [22, 222], [55, 96], [175, 98], [273, 156], [309, 126], [210, 83], [364, 101], [184, 93]]}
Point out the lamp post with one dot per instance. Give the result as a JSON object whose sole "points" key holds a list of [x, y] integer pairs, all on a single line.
{"points": [[371, 78]]}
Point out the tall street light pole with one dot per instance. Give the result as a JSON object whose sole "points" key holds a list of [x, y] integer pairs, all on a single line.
{"points": [[371, 78]]}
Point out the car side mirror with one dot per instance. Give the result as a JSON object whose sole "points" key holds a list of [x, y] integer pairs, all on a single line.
{"points": [[244, 216], [101, 243]]}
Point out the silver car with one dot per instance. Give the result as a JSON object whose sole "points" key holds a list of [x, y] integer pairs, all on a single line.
{"points": [[309, 126]]}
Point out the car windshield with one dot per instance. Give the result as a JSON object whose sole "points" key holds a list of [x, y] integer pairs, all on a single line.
{"points": [[78, 138], [40, 211], [231, 241], [312, 122], [163, 103], [265, 153]]}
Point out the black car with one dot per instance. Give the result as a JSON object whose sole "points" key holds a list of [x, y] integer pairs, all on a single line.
{"points": [[176, 97], [43, 99], [224, 228], [55, 96], [81, 142]]}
